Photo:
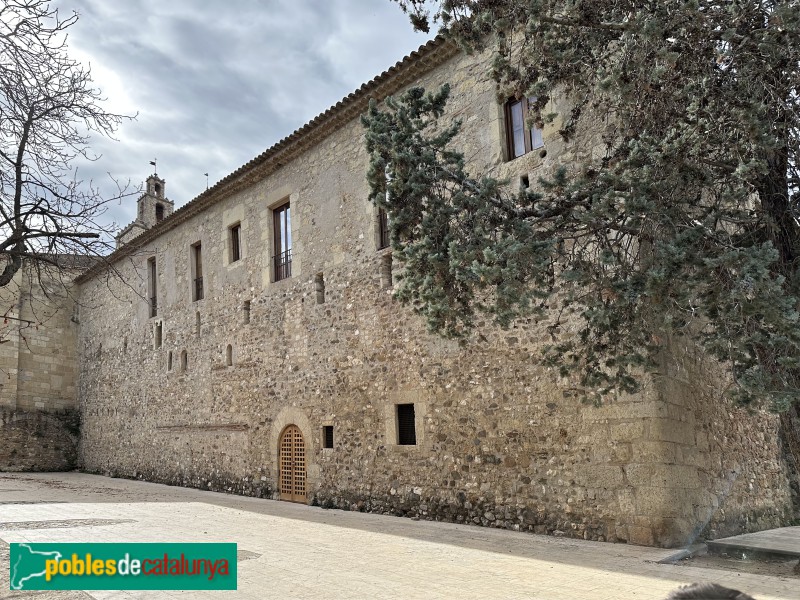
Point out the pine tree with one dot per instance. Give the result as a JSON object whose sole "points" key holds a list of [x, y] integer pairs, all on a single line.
{"points": [[687, 226]]}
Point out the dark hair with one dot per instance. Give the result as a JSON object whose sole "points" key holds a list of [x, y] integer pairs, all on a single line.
{"points": [[707, 591]]}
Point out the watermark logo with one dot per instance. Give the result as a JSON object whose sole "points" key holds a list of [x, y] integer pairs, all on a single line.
{"points": [[123, 567]]}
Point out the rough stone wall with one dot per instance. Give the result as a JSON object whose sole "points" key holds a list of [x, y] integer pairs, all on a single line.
{"points": [[729, 474], [499, 440], [38, 371], [38, 440]]}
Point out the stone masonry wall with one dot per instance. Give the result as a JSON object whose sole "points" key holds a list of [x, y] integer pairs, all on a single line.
{"points": [[38, 372], [38, 440], [500, 441]]}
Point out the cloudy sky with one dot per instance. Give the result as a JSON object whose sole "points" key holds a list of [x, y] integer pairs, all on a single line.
{"points": [[216, 83]]}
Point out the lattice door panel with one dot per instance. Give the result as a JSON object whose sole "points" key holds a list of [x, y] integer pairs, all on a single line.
{"points": [[292, 465]]}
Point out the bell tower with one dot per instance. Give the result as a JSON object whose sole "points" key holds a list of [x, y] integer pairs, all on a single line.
{"points": [[152, 207]]}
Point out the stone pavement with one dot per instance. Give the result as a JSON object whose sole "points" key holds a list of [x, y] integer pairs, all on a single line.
{"points": [[777, 542], [294, 551]]}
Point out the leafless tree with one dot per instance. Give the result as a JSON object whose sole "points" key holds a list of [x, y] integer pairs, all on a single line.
{"points": [[49, 108]]}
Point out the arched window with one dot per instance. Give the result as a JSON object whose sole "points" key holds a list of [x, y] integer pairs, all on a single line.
{"points": [[169, 361], [184, 360], [229, 356]]}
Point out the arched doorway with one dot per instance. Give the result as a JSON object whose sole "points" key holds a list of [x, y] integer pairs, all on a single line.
{"points": [[292, 458]]}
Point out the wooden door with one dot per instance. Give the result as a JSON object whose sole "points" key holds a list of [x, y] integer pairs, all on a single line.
{"points": [[292, 458]]}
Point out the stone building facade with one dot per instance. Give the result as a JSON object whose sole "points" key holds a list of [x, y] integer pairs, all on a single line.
{"points": [[39, 367], [253, 346]]}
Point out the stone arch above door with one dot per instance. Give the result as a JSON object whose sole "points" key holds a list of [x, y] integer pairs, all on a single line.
{"points": [[291, 415], [292, 468]]}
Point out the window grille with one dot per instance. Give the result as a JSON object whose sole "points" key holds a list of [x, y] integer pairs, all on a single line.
{"points": [[282, 233]]}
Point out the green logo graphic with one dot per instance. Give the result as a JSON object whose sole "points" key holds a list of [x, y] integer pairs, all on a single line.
{"points": [[123, 567]]}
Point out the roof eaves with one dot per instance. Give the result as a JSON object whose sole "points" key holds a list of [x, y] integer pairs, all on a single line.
{"points": [[419, 61]]}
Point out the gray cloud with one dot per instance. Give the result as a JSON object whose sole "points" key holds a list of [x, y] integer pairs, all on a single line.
{"points": [[214, 84]]}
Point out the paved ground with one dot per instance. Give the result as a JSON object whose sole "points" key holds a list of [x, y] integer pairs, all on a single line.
{"points": [[784, 541], [292, 551]]}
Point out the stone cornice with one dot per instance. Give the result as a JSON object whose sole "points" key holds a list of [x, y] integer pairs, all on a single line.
{"points": [[404, 72]]}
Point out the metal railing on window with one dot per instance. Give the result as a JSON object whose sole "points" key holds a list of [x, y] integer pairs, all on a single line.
{"points": [[153, 306], [198, 288], [283, 265]]}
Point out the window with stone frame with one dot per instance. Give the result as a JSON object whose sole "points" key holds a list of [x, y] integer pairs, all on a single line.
{"points": [[521, 139], [383, 229], [282, 242], [235, 236], [158, 335], [383, 234], [152, 286], [197, 272], [406, 426]]}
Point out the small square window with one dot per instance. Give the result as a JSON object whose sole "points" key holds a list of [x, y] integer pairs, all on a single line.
{"points": [[406, 428], [327, 436], [236, 244]]}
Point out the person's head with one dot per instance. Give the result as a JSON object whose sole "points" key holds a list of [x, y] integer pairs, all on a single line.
{"points": [[707, 591]]}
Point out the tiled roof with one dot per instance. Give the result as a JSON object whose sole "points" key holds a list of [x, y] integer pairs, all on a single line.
{"points": [[404, 72]]}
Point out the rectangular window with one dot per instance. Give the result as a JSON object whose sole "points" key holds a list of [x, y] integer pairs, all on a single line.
{"points": [[327, 436], [282, 234], [386, 271], [152, 280], [521, 140], [197, 271], [383, 229], [319, 287], [406, 429], [236, 248]]}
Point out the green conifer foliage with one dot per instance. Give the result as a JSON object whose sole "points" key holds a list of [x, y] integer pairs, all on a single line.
{"points": [[687, 226]]}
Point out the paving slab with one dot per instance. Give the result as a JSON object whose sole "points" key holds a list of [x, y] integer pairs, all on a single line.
{"points": [[784, 541], [295, 551]]}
